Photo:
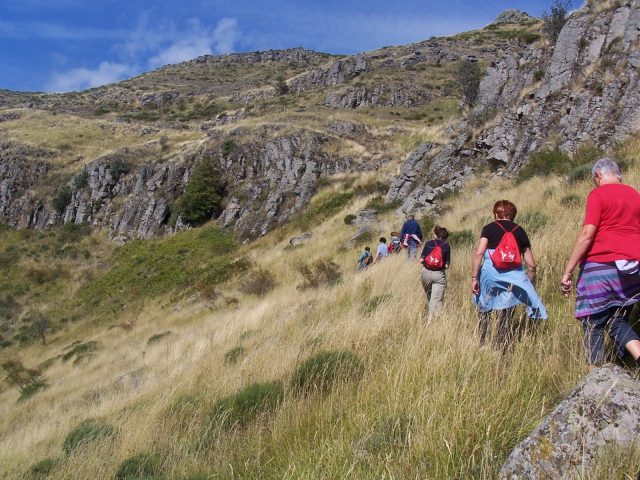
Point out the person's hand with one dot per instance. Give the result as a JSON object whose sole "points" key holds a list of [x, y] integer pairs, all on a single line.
{"points": [[475, 286], [566, 283]]}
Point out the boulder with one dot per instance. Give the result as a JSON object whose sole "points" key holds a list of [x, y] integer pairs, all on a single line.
{"points": [[603, 409], [366, 217], [300, 239]]}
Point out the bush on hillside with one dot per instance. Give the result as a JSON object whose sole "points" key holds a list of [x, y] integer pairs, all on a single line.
{"points": [[322, 272], [570, 200], [468, 77], [545, 162], [202, 200], [119, 166], [391, 434], [554, 21], [532, 221], [61, 199], [88, 431], [42, 469], [325, 370], [80, 349], [580, 174], [139, 467], [244, 406], [232, 356], [258, 282], [158, 337], [348, 219], [462, 238], [28, 381]]}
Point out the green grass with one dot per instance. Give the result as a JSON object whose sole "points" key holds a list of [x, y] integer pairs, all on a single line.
{"points": [[147, 269], [326, 370], [240, 408], [87, 432]]}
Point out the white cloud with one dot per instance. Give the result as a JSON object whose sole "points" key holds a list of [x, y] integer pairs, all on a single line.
{"points": [[197, 41], [82, 78], [226, 35]]}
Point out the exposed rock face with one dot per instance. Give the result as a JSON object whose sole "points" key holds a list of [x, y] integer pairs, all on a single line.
{"points": [[366, 217], [336, 73], [587, 90], [604, 409], [513, 16], [590, 89], [378, 96]]}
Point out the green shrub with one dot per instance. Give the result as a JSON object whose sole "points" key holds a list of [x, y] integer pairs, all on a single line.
{"points": [[158, 337], [228, 147], [324, 371], [203, 198], [391, 434], [119, 166], [468, 77], [554, 21], [545, 163], [580, 174], [462, 238], [42, 469], [381, 205], [348, 219], [142, 466], [233, 355], [364, 238], [61, 199], [258, 282], [244, 406], [322, 272], [570, 200], [372, 304], [80, 180], [81, 349], [538, 75], [31, 389], [533, 221], [88, 431]]}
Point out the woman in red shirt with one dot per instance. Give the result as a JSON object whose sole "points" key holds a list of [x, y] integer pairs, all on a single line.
{"points": [[608, 250]]}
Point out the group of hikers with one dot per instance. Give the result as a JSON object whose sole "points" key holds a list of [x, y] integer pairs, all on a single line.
{"points": [[607, 252]]}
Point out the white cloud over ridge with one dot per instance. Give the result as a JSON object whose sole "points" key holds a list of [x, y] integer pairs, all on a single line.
{"points": [[83, 78], [199, 41], [162, 46]]}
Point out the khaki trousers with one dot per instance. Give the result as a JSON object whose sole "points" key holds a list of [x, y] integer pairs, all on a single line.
{"points": [[434, 283]]}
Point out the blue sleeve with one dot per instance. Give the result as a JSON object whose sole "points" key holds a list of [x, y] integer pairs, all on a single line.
{"points": [[419, 231], [402, 232]]}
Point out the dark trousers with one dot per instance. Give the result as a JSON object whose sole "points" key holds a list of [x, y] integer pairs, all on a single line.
{"points": [[503, 334], [614, 322]]}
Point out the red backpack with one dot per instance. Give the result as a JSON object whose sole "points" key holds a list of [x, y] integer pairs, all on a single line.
{"points": [[434, 260], [507, 254]]}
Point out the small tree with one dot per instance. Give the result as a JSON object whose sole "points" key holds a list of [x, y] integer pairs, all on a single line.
{"points": [[281, 86], [41, 327], [468, 77], [203, 198], [554, 21], [26, 380]]}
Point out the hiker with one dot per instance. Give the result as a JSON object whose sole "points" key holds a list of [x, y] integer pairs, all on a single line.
{"points": [[365, 259], [435, 259], [394, 244], [383, 251], [608, 250], [502, 283], [411, 236]]}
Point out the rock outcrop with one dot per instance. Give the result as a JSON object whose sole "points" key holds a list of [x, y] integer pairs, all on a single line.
{"points": [[604, 409], [513, 16]]}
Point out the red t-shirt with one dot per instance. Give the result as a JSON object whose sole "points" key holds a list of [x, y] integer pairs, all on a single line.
{"points": [[615, 210]]}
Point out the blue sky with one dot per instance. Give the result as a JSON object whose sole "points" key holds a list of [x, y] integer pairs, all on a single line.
{"points": [[65, 45]]}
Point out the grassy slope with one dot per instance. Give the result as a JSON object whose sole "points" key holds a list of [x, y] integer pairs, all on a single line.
{"points": [[430, 404]]}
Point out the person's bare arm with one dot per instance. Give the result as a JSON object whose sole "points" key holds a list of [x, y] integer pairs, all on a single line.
{"points": [[477, 261], [531, 265], [580, 249]]}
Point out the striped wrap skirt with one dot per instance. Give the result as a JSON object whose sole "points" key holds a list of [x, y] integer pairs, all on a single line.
{"points": [[601, 286]]}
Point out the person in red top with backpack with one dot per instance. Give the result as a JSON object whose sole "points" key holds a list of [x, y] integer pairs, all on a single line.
{"points": [[503, 283], [435, 259]]}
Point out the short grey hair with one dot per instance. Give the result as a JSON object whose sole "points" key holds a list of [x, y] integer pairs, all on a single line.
{"points": [[606, 166]]}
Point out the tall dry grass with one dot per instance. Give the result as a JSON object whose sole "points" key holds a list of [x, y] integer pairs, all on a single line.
{"points": [[431, 403]]}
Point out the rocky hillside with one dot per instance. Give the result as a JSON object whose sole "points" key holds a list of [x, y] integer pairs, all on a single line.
{"points": [[278, 123], [585, 89]]}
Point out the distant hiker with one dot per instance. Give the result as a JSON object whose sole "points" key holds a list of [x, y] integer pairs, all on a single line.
{"points": [[365, 259], [383, 250], [608, 250], [411, 236], [394, 243], [435, 259], [502, 283]]}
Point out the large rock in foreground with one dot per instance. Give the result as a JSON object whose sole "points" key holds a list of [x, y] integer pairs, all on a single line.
{"points": [[603, 409]]}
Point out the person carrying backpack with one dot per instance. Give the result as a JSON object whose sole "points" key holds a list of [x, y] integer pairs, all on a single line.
{"points": [[435, 259], [502, 282], [394, 243], [411, 236], [365, 259], [383, 250]]}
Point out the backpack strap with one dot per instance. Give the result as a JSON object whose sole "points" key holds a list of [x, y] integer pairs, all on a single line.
{"points": [[504, 229]]}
